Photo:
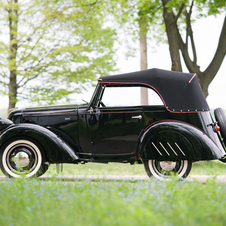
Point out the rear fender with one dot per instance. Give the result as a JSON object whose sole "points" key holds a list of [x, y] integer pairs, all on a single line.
{"points": [[56, 150], [175, 140]]}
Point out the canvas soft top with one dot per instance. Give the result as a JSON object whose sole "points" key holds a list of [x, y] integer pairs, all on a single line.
{"points": [[180, 92]]}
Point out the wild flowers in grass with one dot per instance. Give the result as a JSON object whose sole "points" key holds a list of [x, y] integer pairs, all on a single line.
{"points": [[54, 202]]}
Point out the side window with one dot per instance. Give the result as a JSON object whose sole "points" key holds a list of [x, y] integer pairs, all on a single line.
{"points": [[128, 96]]}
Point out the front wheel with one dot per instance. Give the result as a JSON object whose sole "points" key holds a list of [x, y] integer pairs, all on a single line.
{"points": [[22, 158], [163, 170]]}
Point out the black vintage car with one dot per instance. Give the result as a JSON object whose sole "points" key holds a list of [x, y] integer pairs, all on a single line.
{"points": [[166, 138]]}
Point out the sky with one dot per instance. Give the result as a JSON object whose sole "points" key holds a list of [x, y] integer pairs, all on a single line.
{"points": [[206, 33]]}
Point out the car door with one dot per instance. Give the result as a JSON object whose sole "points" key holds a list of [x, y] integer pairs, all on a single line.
{"points": [[115, 130]]}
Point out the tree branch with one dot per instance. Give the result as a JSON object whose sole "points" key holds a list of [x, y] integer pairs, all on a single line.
{"points": [[189, 33], [91, 3], [3, 83], [179, 13], [173, 37]]}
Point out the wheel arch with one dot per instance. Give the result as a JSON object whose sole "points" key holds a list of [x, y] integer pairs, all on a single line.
{"points": [[176, 140], [55, 149]]}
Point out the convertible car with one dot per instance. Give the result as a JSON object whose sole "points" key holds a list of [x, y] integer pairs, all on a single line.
{"points": [[166, 138]]}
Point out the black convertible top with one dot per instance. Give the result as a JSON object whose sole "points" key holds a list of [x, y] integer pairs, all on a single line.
{"points": [[180, 92]]}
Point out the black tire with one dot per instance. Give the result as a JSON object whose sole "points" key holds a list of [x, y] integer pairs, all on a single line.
{"points": [[43, 170], [22, 157], [163, 170], [221, 119]]}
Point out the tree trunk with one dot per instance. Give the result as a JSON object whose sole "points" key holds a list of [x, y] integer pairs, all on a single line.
{"points": [[143, 66], [13, 27], [176, 43], [12, 90], [172, 35], [205, 77]]}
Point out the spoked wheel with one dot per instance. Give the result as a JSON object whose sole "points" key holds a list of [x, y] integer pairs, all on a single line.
{"points": [[22, 158], [163, 170]]}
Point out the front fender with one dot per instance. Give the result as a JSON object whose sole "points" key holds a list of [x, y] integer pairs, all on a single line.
{"points": [[56, 150], [4, 123], [175, 140]]}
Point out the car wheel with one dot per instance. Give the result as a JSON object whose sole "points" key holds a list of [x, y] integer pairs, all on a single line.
{"points": [[43, 170], [163, 170], [221, 119], [22, 158]]}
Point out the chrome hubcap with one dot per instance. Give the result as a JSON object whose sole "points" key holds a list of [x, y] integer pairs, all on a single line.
{"points": [[167, 165], [21, 158]]}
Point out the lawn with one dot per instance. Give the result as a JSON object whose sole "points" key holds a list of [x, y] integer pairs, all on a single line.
{"points": [[198, 168], [54, 203]]}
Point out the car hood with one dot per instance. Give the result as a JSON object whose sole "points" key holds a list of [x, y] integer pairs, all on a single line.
{"points": [[48, 110]]}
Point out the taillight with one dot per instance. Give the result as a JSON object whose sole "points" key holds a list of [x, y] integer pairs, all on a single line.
{"points": [[217, 128]]}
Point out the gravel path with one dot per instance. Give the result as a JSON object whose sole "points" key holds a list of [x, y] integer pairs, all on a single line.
{"points": [[200, 178]]}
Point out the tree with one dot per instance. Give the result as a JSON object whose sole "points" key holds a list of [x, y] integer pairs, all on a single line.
{"points": [[178, 17], [143, 23], [136, 18], [176, 13], [50, 49]]}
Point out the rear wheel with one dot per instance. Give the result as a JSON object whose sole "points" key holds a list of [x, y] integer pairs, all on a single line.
{"points": [[221, 119], [163, 170], [22, 158]]}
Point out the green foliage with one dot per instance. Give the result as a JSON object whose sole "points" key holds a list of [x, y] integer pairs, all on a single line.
{"points": [[204, 7], [147, 15], [56, 47], [214, 6], [54, 202], [134, 18]]}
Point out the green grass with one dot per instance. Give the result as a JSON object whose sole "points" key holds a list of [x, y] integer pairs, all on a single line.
{"points": [[198, 168], [53, 202], [99, 169], [215, 167]]}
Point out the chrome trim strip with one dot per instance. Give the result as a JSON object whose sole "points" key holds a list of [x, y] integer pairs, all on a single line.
{"points": [[172, 149], [179, 149], [164, 149], [156, 148]]}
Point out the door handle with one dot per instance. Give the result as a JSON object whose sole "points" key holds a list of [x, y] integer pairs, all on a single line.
{"points": [[138, 116]]}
